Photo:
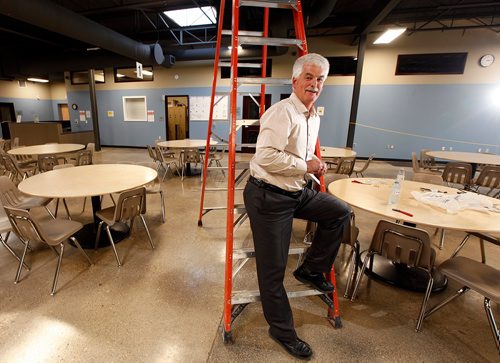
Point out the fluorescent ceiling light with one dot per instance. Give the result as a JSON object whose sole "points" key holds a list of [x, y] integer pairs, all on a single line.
{"points": [[119, 75], [193, 16], [146, 72], [389, 35], [240, 48], [39, 80]]}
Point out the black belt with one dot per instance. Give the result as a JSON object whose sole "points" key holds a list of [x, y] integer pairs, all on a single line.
{"points": [[273, 188]]}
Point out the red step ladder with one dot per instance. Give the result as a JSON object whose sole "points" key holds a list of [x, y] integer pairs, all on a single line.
{"points": [[235, 302]]}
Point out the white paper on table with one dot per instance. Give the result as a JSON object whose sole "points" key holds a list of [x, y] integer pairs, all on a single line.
{"points": [[454, 203]]}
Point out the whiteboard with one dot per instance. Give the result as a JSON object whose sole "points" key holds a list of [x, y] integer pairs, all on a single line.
{"points": [[199, 108]]}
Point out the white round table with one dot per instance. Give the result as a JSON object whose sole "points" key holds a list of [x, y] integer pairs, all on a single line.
{"points": [[336, 152], [185, 144], [373, 197], [46, 149], [89, 181], [466, 157]]}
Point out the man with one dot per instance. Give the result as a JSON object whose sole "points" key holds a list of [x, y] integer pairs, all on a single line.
{"points": [[276, 193]]}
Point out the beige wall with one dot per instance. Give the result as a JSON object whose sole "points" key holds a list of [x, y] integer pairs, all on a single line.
{"points": [[32, 90]]}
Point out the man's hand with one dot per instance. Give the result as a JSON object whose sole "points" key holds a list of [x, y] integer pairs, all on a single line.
{"points": [[317, 167]]}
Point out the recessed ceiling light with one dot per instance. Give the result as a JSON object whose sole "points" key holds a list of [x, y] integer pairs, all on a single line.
{"points": [[389, 35], [39, 80]]}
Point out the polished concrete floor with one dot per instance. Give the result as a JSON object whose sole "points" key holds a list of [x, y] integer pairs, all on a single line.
{"points": [[166, 305]]}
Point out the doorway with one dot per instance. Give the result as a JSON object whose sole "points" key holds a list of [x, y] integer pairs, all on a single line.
{"points": [[63, 111], [251, 112], [7, 115], [177, 117]]}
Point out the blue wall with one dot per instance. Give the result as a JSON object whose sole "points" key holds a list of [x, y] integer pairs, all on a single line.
{"points": [[409, 117]]}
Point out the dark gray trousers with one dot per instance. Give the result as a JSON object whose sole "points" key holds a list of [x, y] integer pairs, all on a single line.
{"points": [[271, 215]]}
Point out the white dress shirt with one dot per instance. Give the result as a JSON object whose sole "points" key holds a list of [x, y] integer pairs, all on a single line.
{"points": [[287, 139]]}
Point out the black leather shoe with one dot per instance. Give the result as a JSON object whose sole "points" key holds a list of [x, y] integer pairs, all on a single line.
{"points": [[315, 279], [298, 348]]}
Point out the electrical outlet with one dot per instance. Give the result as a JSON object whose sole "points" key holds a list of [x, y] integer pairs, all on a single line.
{"points": [[479, 150], [443, 148]]}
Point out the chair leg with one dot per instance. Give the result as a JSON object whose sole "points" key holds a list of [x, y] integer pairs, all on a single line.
{"points": [[460, 246], [162, 201], [113, 245], [67, 209], [98, 235], [481, 246], [21, 262], [4, 242], [58, 268], [435, 308], [491, 320], [352, 268], [48, 211], [421, 315], [358, 279], [147, 231], [75, 241]]}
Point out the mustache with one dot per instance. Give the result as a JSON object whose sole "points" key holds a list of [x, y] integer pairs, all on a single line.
{"points": [[315, 90]]}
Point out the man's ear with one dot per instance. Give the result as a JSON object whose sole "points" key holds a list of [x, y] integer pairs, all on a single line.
{"points": [[294, 82]]}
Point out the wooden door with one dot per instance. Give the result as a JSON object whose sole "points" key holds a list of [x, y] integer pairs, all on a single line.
{"points": [[63, 111], [177, 111]]}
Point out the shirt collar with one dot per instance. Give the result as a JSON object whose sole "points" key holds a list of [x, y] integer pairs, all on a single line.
{"points": [[300, 106]]}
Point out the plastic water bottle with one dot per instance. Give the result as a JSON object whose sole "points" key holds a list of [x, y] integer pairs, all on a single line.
{"points": [[396, 187]]}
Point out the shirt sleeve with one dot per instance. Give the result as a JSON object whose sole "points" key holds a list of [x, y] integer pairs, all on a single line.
{"points": [[275, 128]]}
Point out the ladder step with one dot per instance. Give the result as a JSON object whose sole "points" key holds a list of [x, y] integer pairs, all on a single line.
{"points": [[221, 189], [283, 4], [247, 122], [240, 208], [240, 93], [248, 296], [241, 65], [264, 80], [280, 42], [250, 252], [250, 33]]}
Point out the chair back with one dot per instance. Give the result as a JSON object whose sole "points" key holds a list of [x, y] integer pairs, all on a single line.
{"points": [[152, 153], [192, 156], [9, 194], [345, 166], [84, 157], [426, 161], [91, 147], [130, 204], [351, 232], [26, 228], [403, 244], [47, 162], [458, 173], [414, 163], [489, 177], [428, 178]]}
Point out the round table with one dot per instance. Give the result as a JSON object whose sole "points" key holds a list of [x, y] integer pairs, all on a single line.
{"points": [[185, 144], [372, 195], [46, 149], [336, 152], [88, 181], [466, 157]]}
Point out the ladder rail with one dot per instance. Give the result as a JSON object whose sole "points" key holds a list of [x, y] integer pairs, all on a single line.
{"points": [[211, 111]]}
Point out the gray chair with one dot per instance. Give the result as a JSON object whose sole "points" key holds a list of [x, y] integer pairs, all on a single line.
{"points": [[403, 245], [53, 232], [84, 157], [47, 162], [359, 171], [489, 178], [189, 156], [11, 196], [474, 275], [155, 188], [416, 166], [167, 160], [428, 162], [130, 204], [345, 166], [17, 172], [458, 173]]}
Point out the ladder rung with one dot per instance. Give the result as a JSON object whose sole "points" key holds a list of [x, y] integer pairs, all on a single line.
{"points": [[243, 32], [247, 122], [283, 4], [264, 80], [255, 94], [241, 65], [221, 189], [280, 42], [250, 252], [248, 296], [237, 207]]}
